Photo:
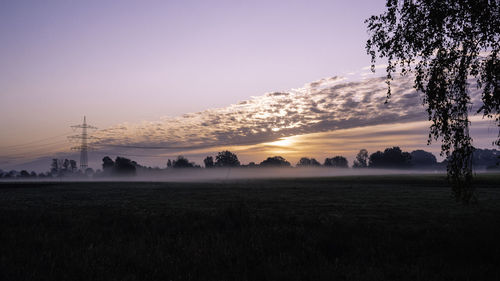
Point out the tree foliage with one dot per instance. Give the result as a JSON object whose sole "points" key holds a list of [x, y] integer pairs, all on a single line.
{"points": [[423, 159], [120, 167], [66, 165], [393, 158], [361, 160], [124, 167], [182, 162], [226, 159], [72, 164], [60, 167], [337, 162], [24, 174], [445, 44], [308, 162], [107, 164], [209, 162], [54, 167], [275, 161]]}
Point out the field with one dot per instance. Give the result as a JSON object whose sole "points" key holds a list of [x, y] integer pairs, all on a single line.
{"points": [[340, 228]]}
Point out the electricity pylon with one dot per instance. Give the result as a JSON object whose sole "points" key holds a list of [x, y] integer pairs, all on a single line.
{"points": [[84, 146]]}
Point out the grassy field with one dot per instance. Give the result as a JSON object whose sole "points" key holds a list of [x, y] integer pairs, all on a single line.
{"points": [[344, 228]]}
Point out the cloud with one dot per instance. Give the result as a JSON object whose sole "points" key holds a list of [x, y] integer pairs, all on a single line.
{"points": [[324, 105], [331, 116]]}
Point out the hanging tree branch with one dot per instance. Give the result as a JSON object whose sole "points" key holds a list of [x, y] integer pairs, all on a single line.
{"points": [[444, 44]]}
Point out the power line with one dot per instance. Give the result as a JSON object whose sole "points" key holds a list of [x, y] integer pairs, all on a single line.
{"points": [[35, 142], [131, 155], [42, 146], [158, 147]]}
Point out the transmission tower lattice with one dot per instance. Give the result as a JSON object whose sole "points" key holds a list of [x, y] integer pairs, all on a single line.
{"points": [[84, 146]]}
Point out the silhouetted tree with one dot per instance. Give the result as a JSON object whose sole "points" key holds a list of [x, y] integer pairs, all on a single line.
{"points": [[361, 160], [54, 167], [182, 162], [24, 174], [66, 165], [422, 159], [377, 160], [444, 44], [390, 158], [107, 165], [124, 167], [8, 175], [72, 165], [276, 161], [209, 162], [337, 162], [308, 162], [226, 159], [11, 174]]}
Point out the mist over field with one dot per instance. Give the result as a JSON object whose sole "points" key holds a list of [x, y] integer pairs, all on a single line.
{"points": [[218, 174], [229, 174]]}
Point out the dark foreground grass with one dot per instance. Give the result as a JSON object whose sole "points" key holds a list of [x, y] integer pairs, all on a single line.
{"points": [[349, 228]]}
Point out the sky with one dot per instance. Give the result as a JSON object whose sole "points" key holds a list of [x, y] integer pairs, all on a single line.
{"points": [[163, 78]]}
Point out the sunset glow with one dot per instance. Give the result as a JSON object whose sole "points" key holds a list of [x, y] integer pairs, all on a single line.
{"points": [[169, 79]]}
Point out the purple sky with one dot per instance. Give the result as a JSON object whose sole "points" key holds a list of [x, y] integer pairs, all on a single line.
{"points": [[131, 60], [134, 61]]}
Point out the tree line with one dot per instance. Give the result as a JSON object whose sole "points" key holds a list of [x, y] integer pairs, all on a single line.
{"points": [[390, 158]]}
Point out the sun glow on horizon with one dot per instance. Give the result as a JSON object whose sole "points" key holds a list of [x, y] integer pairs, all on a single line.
{"points": [[282, 142]]}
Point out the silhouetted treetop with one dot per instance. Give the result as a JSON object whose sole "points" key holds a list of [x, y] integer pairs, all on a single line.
{"points": [[391, 158], [24, 174], [422, 159], [124, 166], [107, 164], [72, 164], [209, 162], [54, 167], [65, 165], [182, 162], [226, 159], [308, 162], [276, 161], [120, 167], [361, 160], [337, 162]]}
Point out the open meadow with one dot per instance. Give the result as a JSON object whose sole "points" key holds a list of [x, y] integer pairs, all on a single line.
{"points": [[395, 227]]}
